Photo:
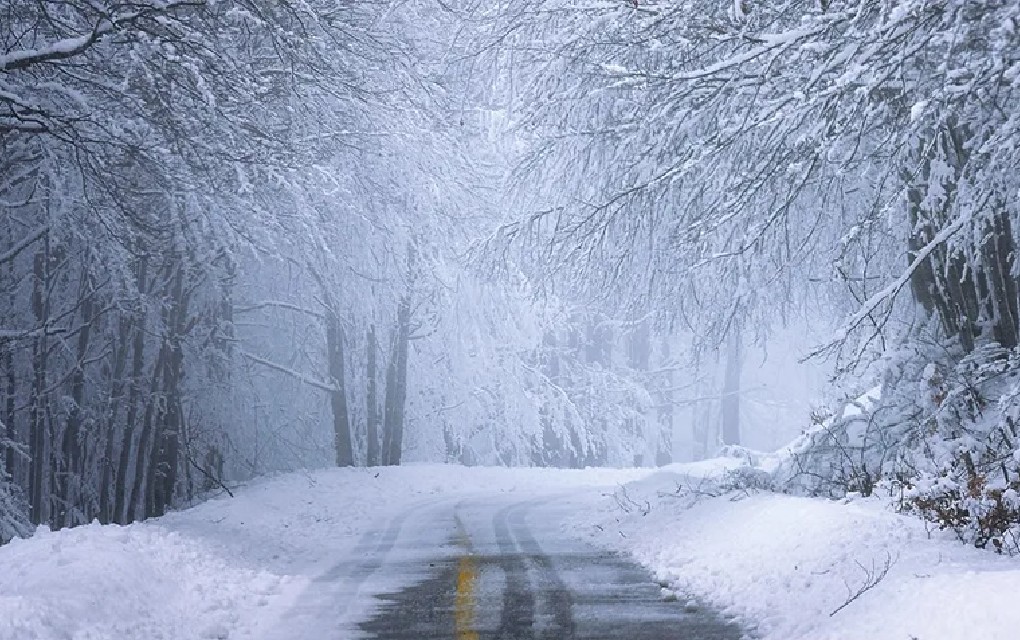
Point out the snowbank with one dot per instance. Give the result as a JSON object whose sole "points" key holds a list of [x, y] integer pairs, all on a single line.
{"points": [[784, 565], [132, 582]]}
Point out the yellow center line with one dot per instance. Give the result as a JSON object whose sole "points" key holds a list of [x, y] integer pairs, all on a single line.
{"points": [[464, 604], [464, 601]]}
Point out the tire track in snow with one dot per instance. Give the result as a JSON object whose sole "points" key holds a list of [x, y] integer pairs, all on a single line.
{"points": [[556, 592], [330, 598], [372, 548], [517, 619]]}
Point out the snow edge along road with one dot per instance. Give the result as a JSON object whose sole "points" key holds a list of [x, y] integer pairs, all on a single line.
{"points": [[783, 565]]}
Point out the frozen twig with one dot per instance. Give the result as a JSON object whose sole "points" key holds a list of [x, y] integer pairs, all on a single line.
{"points": [[872, 577], [628, 505]]}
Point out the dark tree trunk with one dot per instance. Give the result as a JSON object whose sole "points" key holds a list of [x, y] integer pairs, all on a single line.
{"points": [[10, 388], [338, 396], [342, 437], [997, 285], [973, 295], [72, 446], [124, 496], [38, 425], [151, 444], [167, 442], [396, 387], [169, 417], [140, 496], [372, 410], [108, 477]]}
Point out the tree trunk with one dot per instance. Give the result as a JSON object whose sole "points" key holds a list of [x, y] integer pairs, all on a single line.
{"points": [[139, 495], [372, 412], [107, 512], [396, 387], [731, 389], [169, 418], [38, 426], [974, 295], [702, 409], [124, 495], [664, 446], [10, 388], [148, 456], [338, 397], [72, 445], [342, 438]]}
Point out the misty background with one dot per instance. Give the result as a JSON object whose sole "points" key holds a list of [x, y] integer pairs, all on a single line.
{"points": [[250, 236]]}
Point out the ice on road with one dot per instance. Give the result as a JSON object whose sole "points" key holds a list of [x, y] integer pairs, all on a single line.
{"points": [[509, 572]]}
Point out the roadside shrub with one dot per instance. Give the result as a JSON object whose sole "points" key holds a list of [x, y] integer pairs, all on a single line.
{"points": [[976, 512], [746, 480], [939, 433], [13, 520]]}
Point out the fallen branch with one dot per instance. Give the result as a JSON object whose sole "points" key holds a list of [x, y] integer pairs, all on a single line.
{"points": [[211, 477], [627, 504], [871, 579]]}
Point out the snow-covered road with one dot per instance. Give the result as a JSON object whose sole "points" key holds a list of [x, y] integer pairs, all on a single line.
{"points": [[510, 572], [396, 551]]}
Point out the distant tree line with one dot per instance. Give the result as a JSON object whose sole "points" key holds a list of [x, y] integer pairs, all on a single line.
{"points": [[233, 240]]}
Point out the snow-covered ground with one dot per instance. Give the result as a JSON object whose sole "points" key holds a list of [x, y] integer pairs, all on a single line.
{"points": [[784, 565], [234, 567]]}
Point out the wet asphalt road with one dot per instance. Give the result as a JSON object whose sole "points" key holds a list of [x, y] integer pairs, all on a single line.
{"points": [[509, 572]]}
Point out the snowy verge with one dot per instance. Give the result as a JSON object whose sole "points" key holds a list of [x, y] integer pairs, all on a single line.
{"points": [[793, 568], [229, 567]]}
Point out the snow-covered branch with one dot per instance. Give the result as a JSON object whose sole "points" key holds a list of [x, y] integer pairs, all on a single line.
{"points": [[893, 288], [23, 244], [276, 304], [70, 47], [297, 375], [60, 50]]}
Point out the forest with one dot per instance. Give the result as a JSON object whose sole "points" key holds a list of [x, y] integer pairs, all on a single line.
{"points": [[247, 236]]}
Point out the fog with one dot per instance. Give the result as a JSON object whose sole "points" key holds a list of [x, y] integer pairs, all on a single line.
{"points": [[246, 237]]}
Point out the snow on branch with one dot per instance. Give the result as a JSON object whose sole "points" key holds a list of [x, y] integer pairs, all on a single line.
{"points": [[302, 377], [13, 252], [276, 304], [769, 43], [73, 46], [24, 334], [893, 287], [59, 50]]}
